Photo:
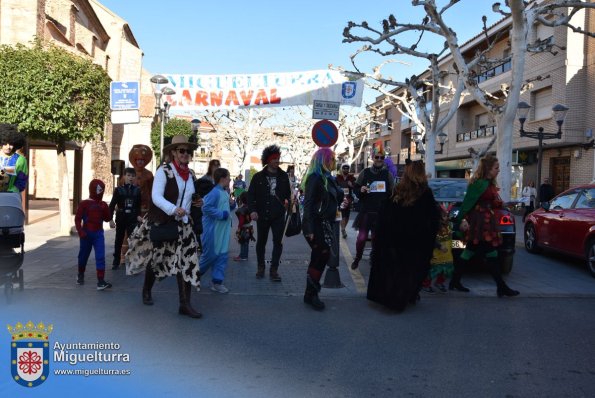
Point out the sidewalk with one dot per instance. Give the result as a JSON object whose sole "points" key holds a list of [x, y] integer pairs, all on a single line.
{"points": [[51, 260]]}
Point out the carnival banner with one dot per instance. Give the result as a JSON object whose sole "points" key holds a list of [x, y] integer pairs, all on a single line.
{"points": [[195, 92]]}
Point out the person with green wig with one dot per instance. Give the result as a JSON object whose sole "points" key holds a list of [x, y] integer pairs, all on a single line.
{"points": [[321, 204], [478, 221]]}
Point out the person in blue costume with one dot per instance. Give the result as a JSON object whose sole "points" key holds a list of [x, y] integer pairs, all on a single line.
{"points": [[13, 167], [216, 230]]}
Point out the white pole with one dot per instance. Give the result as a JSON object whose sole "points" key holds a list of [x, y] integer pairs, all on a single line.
{"points": [[161, 115]]}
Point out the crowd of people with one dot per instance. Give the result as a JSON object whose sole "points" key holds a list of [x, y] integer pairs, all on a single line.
{"points": [[179, 225], [187, 228]]}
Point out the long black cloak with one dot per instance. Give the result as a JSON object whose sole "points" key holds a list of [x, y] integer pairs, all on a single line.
{"points": [[402, 250]]}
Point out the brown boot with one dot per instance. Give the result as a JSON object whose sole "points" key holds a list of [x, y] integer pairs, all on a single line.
{"points": [[274, 275], [184, 289], [260, 271], [148, 285]]}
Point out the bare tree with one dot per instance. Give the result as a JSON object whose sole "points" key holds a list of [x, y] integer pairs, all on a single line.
{"points": [[294, 133], [354, 127], [502, 106], [239, 130], [418, 98]]}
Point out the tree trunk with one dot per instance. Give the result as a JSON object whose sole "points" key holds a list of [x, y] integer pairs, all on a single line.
{"points": [[431, 153], [505, 123], [64, 189]]}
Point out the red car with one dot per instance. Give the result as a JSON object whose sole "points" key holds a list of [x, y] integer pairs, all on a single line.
{"points": [[566, 225]]}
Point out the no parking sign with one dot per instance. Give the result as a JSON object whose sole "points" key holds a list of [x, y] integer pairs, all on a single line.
{"points": [[325, 133]]}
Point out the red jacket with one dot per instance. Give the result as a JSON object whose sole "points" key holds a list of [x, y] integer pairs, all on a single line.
{"points": [[92, 212]]}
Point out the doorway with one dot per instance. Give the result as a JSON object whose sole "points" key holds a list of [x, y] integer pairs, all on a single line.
{"points": [[561, 174]]}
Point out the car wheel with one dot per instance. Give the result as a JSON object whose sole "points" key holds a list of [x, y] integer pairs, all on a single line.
{"points": [[590, 254], [506, 263], [531, 239]]}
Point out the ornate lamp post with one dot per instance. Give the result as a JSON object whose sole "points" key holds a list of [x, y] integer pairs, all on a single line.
{"points": [[558, 113], [161, 111], [195, 126], [418, 139]]}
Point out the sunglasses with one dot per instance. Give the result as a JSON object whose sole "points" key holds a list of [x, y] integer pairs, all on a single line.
{"points": [[345, 168], [183, 151], [379, 157]]}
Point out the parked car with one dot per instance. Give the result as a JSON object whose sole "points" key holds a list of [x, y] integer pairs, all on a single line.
{"points": [[449, 192], [566, 225]]}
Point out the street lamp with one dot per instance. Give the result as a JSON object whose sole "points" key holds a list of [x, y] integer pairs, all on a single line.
{"points": [[195, 126], [442, 136], [558, 113], [162, 112]]}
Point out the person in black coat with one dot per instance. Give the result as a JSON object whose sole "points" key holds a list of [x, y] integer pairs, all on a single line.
{"points": [[269, 195], [405, 239], [127, 199], [321, 203], [546, 192]]}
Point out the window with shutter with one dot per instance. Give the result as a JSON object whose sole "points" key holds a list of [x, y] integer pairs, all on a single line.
{"points": [[542, 103]]}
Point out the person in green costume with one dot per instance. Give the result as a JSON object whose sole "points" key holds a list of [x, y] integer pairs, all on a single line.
{"points": [[13, 167], [478, 222]]}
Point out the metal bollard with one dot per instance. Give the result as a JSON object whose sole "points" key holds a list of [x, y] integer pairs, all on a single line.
{"points": [[332, 279]]}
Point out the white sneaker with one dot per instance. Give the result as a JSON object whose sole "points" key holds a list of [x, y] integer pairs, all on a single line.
{"points": [[219, 288]]}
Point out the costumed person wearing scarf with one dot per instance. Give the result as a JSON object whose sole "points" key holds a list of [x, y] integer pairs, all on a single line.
{"points": [[478, 220], [321, 203], [373, 185], [171, 196]]}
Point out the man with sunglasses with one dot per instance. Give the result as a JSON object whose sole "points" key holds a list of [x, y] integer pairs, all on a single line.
{"points": [[373, 185]]}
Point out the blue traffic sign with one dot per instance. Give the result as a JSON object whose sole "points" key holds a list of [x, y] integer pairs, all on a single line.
{"points": [[325, 133], [124, 95]]}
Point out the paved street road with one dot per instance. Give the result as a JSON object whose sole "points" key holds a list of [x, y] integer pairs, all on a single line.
{"points": [[262, 341]]}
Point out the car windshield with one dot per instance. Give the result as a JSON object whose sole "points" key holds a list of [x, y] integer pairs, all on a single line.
{"points": [[448, 190]]}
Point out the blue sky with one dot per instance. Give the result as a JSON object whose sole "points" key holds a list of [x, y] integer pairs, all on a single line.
{"points": [[236, 37]]}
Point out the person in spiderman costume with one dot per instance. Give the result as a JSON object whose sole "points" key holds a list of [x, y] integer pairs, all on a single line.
{"points": [[90, 215]]}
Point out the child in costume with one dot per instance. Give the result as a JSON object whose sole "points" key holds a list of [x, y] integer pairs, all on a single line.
{"points": [[88, 221], [216, 230], [441, 266], [245, 232], [127, 198]]}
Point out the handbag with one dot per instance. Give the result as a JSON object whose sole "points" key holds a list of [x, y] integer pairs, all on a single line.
{"points": [[166, 232], [293, 224]]}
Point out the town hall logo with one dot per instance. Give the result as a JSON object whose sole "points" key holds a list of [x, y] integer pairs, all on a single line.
{"points": [[30, 358], [348, 89]]}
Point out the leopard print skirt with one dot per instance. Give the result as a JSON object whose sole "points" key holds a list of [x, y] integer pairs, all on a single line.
{"points": [[167, 258]]}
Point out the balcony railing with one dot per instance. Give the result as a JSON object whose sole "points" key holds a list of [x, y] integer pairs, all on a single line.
{"points": [[385, 130], [477, 134], [403, 154], [495, 71]]}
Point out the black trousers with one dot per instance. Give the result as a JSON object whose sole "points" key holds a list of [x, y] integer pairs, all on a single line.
{"points": [[123, 226], [320, 255], [262, 229]]}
